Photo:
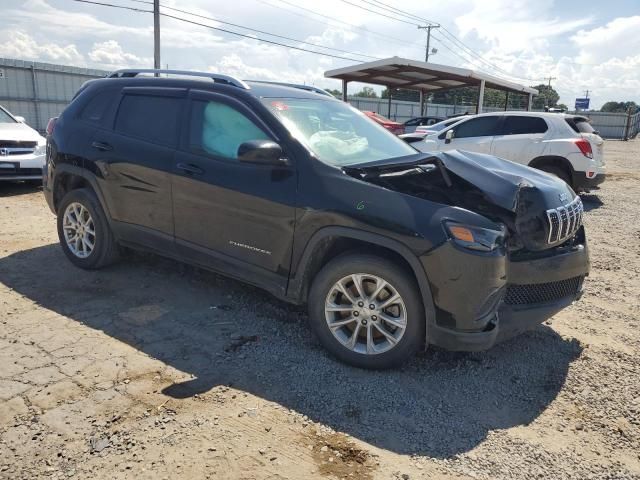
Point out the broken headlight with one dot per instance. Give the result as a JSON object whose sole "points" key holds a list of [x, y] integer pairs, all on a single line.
{"points": [[475, 238]]}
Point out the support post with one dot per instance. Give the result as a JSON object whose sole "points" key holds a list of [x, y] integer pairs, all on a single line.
{"points": [[34, 80], [529, 102], [506, 101], [480, 97], [156, 35], [421, 103], [344, 90], [389, 103]]}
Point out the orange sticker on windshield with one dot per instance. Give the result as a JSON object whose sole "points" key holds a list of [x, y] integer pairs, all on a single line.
{"points": [[280, 106]]}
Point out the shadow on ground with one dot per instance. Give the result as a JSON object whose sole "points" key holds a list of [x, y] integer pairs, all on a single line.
{"points": [[440, 404], [10, 189], [591, 201]]}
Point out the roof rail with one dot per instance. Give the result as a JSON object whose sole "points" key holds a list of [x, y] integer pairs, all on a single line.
{"points": [[133, 72], [308, 88]]}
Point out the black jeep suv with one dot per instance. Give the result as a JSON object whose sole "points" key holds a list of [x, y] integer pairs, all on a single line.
{"points": [[304, 196]]}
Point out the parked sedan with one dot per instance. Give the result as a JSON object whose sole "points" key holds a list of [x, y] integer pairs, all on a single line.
{"points": [[411, 125], [22, 149], [393, 127]]}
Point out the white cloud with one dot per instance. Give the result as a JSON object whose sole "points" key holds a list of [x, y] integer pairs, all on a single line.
{"points": [[110, 53], [19, 44]]}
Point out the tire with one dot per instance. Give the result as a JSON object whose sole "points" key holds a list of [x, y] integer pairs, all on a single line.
{"points": [[381, 353], [558, 172], [105, 248]]}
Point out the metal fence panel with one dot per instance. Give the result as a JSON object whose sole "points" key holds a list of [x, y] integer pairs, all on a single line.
{"points": [[39, 91]]}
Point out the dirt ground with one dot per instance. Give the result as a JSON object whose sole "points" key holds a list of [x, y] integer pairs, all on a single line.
{"points": [[151, 369]]}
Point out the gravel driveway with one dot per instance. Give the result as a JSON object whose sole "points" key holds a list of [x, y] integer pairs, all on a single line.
{"points": [[152, 369]]}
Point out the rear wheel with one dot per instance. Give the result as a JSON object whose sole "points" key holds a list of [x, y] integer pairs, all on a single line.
{"points": [[367, 311], [84, 232]]}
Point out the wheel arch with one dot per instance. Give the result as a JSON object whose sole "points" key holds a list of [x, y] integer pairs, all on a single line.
{"points": [[71, 177], [329, 242], [553, 161]]}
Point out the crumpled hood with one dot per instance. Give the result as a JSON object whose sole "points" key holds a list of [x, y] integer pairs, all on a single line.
{"points": [[19, 132], [502, 181], [528, 194]]}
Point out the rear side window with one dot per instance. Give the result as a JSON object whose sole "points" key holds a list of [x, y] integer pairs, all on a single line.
{"points": [[150, 118], [515, 125], [478, 127], [98, 107], [218, 129], [580, 125]]}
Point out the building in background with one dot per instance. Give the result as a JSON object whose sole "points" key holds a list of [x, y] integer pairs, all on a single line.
{"points": [[38, 91]]}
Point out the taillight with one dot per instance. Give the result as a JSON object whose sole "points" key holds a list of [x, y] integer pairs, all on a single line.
{"points": [[585, 147], [51, 124]]}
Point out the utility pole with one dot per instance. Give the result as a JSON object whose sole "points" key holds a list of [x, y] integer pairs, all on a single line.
{"points": [[156, 35], [586, 94], [546, 96], [428, 29]]}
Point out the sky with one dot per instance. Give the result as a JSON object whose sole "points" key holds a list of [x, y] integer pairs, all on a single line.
{"points": [[586, 44]]}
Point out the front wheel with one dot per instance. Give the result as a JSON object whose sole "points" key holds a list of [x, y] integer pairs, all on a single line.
{"points": [[367, 311], [84, 232]]}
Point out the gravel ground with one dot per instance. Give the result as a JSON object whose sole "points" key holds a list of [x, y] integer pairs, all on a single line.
{"points": [[151, 369]]}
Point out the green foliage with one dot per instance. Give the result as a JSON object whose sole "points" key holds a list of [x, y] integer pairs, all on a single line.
{"points": [[335, 92], [402, 94], [620, 107], [367, 92], [547, 97]]}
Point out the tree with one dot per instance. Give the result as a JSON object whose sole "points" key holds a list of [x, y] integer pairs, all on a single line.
{"points": [[402, 94], [367, 92], [335, 92], [547, 97], [619, 107]]}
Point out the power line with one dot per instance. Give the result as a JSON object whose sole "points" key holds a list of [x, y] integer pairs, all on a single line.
{"points": [[149, 2], [272, 42], [333, 19], [446, 35]]}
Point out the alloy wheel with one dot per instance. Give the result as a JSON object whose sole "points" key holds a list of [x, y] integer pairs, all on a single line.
{"points": [[79, 230], [365, 313]]}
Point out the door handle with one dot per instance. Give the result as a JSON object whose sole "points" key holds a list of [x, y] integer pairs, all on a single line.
{"points": [[102, 146], [190, 168]]}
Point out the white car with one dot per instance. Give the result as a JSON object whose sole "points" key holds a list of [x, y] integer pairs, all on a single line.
{"points": [[22, 149], [563, 145]]}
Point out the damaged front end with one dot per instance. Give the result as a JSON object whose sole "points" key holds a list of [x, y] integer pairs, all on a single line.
{"points": [[528, 269]]}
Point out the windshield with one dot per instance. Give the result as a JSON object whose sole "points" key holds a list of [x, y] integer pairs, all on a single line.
{"points": [[335, 132], [5, 117]]}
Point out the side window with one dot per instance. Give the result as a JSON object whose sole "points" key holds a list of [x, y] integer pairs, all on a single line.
{"points": [[150, 118], [413, 122], [218, 129], [98, 107], [514, 125], [478, 127]]}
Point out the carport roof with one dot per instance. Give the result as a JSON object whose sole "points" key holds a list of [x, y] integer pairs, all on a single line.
{"points": [[396, 72]]}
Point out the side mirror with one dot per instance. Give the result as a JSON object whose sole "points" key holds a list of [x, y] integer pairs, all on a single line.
{"points": [[449, 135], [20, 118], [262, 152]]}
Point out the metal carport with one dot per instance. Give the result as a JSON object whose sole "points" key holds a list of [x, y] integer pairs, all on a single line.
{"points": [[396, 72]]}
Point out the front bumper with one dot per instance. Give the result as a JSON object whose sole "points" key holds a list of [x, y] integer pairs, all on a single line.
{"points": [[530, 291], [21, 167]]}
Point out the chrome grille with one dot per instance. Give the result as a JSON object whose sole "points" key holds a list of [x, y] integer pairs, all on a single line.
{"points": [[564, 221]]}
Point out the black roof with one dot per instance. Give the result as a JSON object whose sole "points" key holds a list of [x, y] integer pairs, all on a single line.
{"points": [[256, 88]]}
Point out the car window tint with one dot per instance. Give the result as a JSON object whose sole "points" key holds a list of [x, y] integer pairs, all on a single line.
{"points": [[150, 118], [218, 129], [518, 125], [413, 122], [478, 127], [96, 109], [580, 125]]}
